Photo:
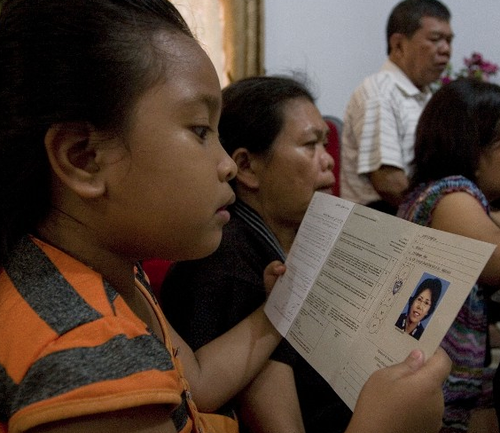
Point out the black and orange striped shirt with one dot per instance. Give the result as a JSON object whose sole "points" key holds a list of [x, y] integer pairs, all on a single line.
{"points": [[70, 345]]}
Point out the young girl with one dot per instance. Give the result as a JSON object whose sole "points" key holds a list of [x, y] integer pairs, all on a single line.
{"points": [[273, 130], [109, 155], [456, 175]]}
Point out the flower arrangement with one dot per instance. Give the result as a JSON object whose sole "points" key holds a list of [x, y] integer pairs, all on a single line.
{"points": [[475, 66]]}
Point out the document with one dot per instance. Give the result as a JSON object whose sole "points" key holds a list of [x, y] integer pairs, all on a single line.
{"points": [[357, 283]]}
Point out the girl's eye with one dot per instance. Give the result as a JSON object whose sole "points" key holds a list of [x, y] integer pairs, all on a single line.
{"points": [[201, 131]]}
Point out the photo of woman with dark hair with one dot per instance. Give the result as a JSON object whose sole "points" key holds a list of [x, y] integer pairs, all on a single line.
{"points": [[420, 306]]}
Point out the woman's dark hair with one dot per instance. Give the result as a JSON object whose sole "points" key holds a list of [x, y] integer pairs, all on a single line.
{"points": [[406, 17], [432, 284], [456, 126], [68, 61], [253, 111]]}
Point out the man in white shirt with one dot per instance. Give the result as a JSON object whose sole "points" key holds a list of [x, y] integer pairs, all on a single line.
{"points": [[381, 117]]}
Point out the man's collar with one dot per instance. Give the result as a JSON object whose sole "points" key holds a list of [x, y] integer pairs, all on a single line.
{"points": [[402, 80]]}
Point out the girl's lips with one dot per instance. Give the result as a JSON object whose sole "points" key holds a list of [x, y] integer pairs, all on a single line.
{"points": [[224, 214], [416, 314]]}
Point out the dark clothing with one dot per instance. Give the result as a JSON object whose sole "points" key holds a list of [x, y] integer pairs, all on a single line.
{"points": [[219, 291], [496, 393], [416, 333], [383, 206]]}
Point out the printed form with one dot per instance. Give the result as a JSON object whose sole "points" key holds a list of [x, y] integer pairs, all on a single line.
{"points": [[353, 275]]}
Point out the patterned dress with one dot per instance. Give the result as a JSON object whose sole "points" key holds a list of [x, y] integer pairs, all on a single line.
{"points": [[469, 384]]}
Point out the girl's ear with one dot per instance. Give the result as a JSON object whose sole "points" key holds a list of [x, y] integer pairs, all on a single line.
{"points": [[246, 163], [72, 154]]}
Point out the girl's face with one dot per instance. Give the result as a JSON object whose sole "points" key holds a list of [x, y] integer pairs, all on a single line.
{"points": [[169, 188], [420, 306]]}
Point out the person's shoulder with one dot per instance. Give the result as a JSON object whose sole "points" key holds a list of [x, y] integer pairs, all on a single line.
{"points": [[379, 85], [419, 330], [82, 326], [457, 183], [461, 184], [400, 321], [456, 180], [421, 202], [382, 83]]}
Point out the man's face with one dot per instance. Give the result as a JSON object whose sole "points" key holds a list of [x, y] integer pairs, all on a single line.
{"points": [[424, 56]]}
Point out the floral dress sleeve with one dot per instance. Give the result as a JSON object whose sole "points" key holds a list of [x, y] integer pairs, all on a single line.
{"points": [[420, 203]]}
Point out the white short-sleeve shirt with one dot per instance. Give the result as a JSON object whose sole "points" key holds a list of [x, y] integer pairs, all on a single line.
{"points": [[379, 129]]}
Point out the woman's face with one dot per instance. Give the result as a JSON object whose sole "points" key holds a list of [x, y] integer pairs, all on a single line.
{"points": [[298, 165], [488, 173], [420, 306], [169, 188]]}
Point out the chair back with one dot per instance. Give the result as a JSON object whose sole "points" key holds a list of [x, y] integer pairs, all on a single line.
{"points": [[156, 269], [333, 148]]}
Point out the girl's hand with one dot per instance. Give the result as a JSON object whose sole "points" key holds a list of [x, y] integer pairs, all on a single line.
{"points": [[271, 274], [406, 397]]}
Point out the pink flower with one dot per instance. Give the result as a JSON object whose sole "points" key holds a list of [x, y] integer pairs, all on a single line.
{"points": [[475, 59], [475, 67], [489, 68], [446, 79]]}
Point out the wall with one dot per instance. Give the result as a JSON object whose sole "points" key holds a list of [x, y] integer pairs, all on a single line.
{"points": [[338, 42]]}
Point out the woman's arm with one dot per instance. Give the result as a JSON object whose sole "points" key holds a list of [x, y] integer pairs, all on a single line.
{"points": [[461, 213], [391, 183], [217, 371], [220, 369]]}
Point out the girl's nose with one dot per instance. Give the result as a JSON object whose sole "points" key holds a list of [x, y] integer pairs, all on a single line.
{"points": [[227, 168]]}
